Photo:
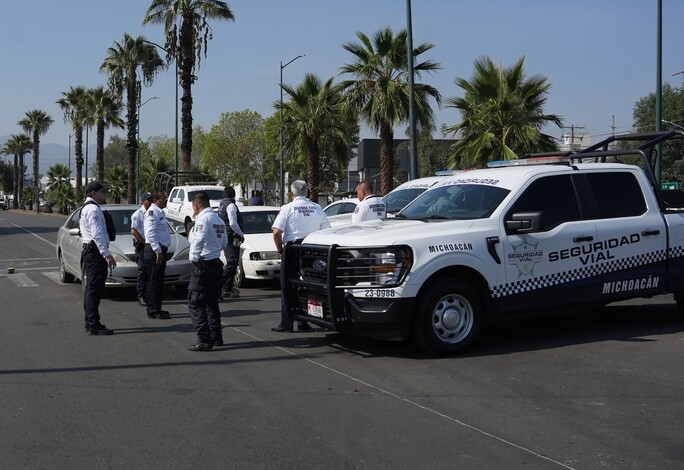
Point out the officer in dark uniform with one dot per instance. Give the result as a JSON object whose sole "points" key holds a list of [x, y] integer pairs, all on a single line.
{"points": [[95, 257], [138, 232], [157, 241], [207, 239], [230, 215]]}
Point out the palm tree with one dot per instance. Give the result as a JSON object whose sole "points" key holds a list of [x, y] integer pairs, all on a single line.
{"points": [[59, 188], [185, 46], [18, 145], [36, 123], [103, 109], [121, 63], [73, 104], [380, 90], [502, 114], [316, 112], [116, 181]]}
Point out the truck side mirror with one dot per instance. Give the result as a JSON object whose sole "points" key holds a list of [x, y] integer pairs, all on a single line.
{"points": [[524, 222]]}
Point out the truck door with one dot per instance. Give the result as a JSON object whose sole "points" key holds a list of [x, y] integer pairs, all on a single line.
{"points": [[544, 262], [628, 256]]}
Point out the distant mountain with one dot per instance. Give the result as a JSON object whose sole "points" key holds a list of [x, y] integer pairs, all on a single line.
{"points": [[51, 154]]}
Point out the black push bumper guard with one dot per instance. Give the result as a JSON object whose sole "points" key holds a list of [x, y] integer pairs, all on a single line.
{"points": [[311, 275]]}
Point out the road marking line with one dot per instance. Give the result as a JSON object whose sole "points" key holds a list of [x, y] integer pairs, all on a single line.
{"points": [[53, 276], [406, 400], [37, 236], [21, 280]]}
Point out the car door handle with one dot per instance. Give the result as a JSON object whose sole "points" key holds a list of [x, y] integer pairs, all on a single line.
{"points": [[646, 233], [583, 238]]}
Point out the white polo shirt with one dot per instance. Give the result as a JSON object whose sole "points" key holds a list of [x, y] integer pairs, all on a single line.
{"points": [[300, 218], [370, 208]]}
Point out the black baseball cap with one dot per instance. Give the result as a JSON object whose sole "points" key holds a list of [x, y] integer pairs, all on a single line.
{"points": [[94, 186], [145, 196]]}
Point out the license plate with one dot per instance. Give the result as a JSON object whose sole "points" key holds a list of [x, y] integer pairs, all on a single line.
{"points": [[315, 308]]}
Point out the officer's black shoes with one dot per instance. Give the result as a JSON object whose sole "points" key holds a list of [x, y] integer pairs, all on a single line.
{"points": [[199, 346], [162, 314], [281, 329], [142, 301], [304, 326], [229, 294], [217, 340], [100, 330]]}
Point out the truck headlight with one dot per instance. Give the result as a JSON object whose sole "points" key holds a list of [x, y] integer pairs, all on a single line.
{"points": [[382, 266]]}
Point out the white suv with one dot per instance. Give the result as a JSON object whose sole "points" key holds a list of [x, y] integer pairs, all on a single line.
{"points": [[179, 204]]}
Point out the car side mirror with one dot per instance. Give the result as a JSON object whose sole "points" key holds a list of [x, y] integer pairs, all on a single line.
{"points": [[524, 222], [179, 229], [75, 232]]}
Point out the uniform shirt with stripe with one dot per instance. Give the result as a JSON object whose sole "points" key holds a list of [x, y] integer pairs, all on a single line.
{"points": [[299, 218], [93, 226], [208, 237], [157, 232]]}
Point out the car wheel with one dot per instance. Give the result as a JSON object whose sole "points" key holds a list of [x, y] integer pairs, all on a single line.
{"points": [[64, 276], [450, 318], [239, 279]]}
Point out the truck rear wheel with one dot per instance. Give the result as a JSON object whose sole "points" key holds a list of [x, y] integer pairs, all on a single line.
{"points": [[450, 318]]}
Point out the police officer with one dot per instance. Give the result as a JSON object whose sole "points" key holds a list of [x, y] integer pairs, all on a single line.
{"points": [[138, 232], [295, 220], [370, 206], [157, 241], [230, 215], [207, 238], [95, 257]]}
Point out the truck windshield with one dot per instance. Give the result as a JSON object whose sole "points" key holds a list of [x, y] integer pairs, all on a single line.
{"points": [[458, 201]]}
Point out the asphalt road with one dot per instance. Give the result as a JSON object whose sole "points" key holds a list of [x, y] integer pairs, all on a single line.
{"points": [[594, 390]]}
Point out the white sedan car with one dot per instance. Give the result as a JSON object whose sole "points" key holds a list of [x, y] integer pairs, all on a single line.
{"points": [[259, 259], [125, 274]]}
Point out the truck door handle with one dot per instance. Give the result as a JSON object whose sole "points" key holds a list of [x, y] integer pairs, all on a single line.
{"points": [[584, 238], [646, 233]]}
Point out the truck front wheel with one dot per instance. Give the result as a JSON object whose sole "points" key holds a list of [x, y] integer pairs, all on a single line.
{"points": [[450, 318]]}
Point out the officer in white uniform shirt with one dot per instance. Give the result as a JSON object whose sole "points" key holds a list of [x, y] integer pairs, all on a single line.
{"points": [[295, 220], [95, 257], [370, 206], [138, 232], [208, 238], [157, 241]]}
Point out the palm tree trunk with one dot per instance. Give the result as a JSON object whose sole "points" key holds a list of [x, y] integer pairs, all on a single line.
{"points": [[36, 182], [187, 40], [132, 142], [99, 152], [386, 158], [21, 175], [78, 152], [312, 171], [15, 193]]}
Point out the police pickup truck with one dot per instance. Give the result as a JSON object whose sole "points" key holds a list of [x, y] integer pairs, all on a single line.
{"points": [[536, 233]]}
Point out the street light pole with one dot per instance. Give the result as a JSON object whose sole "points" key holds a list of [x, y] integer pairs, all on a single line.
{"points": [[282, 172], [175, 60], [137, 156]]}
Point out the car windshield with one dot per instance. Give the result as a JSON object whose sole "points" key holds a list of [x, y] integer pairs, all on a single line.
{"points": [[258, 221], [214, 194], [458, 201], [397, 200]]}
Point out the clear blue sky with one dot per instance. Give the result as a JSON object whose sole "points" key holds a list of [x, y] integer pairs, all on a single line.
{"points": [[600, 55]]}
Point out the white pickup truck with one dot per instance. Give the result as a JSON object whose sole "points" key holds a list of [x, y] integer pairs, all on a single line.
{"points": [[179, 203], [539, 233]]}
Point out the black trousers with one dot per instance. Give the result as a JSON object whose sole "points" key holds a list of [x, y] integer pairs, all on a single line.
{"points": [[141, 283], [95, 272], [232, 254], [203, 299], [155, 279]]}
